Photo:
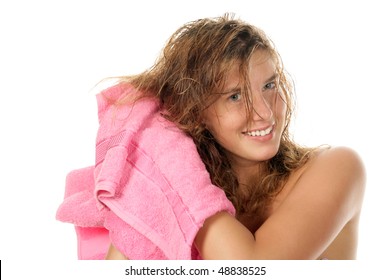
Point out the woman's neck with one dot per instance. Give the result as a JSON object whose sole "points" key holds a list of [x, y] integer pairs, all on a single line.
{"points": [[247, 173]]}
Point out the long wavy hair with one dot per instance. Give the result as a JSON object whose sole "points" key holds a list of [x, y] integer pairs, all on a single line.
{"points": [[187, 77]]}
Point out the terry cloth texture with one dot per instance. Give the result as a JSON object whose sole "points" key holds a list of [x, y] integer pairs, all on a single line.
{"points": [[149, 192]]}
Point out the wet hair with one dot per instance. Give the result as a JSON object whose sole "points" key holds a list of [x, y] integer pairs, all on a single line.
{"points": [[187, 77]]}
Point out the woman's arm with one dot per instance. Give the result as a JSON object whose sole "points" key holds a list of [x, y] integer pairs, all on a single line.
{"points": [[325, 198]]}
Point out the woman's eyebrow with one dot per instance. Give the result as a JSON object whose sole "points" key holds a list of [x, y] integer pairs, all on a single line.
{"points": [[231, 89], [237, 88], [272, 78]]}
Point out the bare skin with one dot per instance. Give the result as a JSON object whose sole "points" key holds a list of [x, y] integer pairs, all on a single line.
{"points": [[314, 217], [114, 254], [316, 214]]}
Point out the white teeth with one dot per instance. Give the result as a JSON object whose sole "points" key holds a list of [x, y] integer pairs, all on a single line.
{"points": [[260, 132]]}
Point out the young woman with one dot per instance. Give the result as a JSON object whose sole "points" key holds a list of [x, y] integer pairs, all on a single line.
{"points": [[222, 82]]}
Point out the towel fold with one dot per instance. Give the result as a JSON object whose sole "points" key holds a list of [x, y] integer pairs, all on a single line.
{"points": [[149, 192]]}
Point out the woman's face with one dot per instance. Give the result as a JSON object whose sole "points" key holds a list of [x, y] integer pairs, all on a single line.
{"points": [[249, 141]]}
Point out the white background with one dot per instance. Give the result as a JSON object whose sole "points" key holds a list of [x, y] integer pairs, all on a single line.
{"points": [[52, 53]]}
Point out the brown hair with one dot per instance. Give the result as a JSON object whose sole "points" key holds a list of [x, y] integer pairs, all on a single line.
{"points": [[186, 78]]}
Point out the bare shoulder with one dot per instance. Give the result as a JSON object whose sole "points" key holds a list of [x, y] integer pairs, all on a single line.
{"points": [[339, 152], [324, 197], [340, 160], [338, 176], [337, 170], [328, 168]]}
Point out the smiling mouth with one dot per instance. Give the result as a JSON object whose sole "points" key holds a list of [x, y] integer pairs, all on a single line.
{"points": [[255, 133]]}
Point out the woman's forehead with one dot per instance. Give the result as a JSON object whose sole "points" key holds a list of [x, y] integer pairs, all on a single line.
{"points": [[261, 65]]}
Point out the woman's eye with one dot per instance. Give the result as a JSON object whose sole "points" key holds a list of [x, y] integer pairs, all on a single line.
{"points": [[235, 97], [271, 85]]}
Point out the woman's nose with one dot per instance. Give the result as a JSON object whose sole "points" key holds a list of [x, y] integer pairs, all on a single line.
{"points": [[262, 109]]}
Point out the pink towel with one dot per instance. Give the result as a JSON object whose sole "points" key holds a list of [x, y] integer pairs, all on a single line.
{"points": [[149, 192]]}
